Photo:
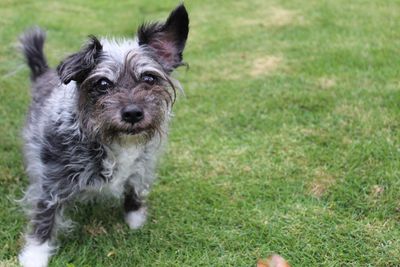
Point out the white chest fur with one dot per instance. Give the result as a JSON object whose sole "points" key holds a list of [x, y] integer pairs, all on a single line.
{"points": [[123, 164]]}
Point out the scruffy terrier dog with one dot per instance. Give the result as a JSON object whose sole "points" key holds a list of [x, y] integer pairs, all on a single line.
{"points": [[96, 124]]}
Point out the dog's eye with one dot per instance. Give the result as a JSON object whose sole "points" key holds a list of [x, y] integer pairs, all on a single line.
{"points": [[149, 79], [103, 84]]}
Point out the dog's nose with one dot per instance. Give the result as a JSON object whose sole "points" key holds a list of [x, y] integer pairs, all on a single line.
{"points": [[132, 114]]}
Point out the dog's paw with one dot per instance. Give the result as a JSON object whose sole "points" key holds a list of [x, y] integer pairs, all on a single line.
{"points": [[35, 254], [136, 219]]}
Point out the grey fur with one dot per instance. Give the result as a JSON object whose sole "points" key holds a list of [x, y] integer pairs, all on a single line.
{"points": [[32, 47], [76, 141]]}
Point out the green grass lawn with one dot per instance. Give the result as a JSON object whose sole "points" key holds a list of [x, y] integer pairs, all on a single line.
{"points": [[287, 141]]}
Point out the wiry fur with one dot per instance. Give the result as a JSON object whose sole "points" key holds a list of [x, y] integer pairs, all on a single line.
{"points": [[32, 46], [76, 138]]}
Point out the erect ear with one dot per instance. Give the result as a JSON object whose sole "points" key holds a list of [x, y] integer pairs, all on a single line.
{"points": [[77, 66], [168, 39]]}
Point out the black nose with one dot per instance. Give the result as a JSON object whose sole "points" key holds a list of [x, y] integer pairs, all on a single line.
{"points": [[132, 114]]}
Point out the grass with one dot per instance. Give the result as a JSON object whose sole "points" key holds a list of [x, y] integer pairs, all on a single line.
{"points": [[287, 140]]}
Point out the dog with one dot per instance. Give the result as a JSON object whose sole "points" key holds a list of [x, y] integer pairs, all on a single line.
{"points": [[97, 124]]}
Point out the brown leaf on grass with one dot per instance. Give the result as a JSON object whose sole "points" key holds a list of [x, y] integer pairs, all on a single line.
{"points": [[322, 182], [273, 261], [377, 190], [95, 230], [111, 254]]}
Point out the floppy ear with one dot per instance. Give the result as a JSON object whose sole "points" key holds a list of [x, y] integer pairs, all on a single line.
{"points": [[168, 39], [77, 66]]}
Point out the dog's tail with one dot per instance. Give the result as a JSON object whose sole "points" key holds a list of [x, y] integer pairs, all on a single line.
{"points": [[32, 42]]}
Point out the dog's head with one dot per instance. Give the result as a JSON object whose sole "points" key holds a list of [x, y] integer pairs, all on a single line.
{"points": [[125, 86]]}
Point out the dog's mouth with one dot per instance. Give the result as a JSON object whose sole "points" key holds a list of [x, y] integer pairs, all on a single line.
{"points": [[133, 130], [146, 128]]}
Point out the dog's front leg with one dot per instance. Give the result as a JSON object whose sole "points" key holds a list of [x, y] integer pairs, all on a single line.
{"points": [[134, 208], [39, 242]]}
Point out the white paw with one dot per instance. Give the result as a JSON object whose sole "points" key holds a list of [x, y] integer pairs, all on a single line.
{"points": [[136, 219], [35, 254]]}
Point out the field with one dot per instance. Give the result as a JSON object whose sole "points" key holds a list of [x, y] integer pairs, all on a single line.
{"points": [[286, 141]]}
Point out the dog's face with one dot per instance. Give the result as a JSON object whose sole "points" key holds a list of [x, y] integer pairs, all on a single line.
{"points": [[124, 86]]}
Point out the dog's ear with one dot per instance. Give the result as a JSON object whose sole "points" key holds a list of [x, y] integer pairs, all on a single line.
{"points": [[77, 66], [168, 39]]}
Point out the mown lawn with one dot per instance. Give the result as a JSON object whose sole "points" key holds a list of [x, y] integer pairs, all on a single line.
{"points": [[287, 141]]}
